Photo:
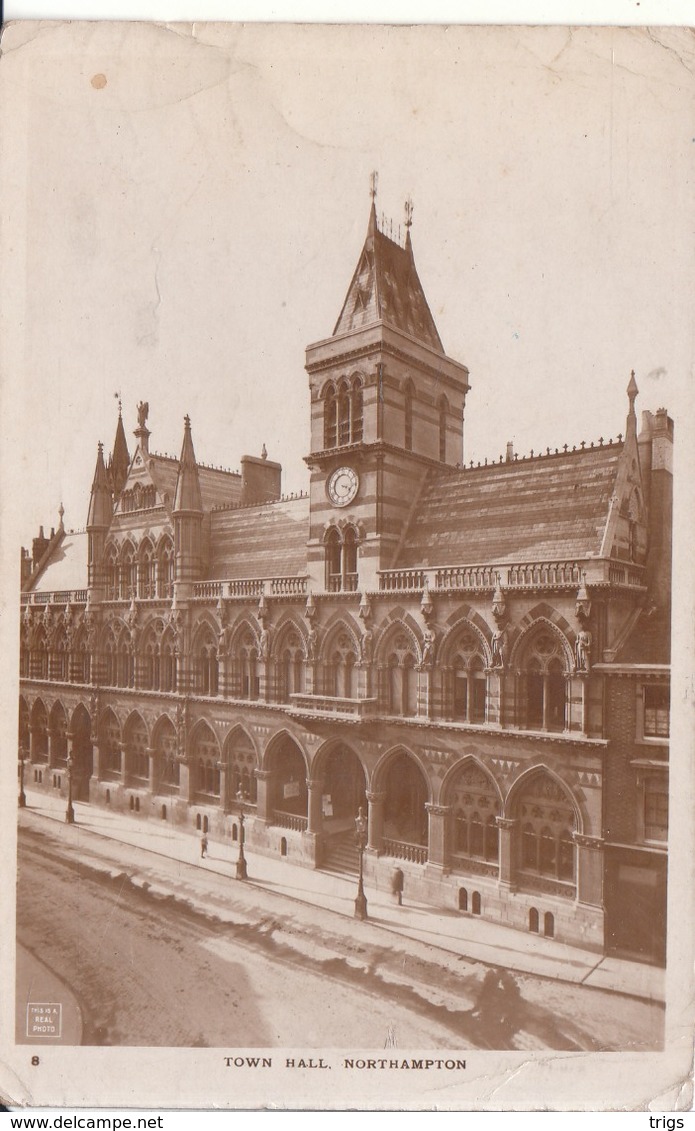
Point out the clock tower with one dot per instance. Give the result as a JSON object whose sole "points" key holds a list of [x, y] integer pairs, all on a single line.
{"points": [[386, 407]]}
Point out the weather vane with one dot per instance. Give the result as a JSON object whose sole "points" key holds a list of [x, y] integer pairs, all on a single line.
{"points": [[373, 182], [408, 211], [120, 402]]}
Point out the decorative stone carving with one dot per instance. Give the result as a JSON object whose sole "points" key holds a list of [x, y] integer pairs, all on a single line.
{"points": [[582, 650], [426, 605], [500, 647], [428, 648], [582, 608], [499, 605]]}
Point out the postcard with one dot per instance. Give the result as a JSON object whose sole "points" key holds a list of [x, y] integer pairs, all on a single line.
{"points": [[347, 597]]}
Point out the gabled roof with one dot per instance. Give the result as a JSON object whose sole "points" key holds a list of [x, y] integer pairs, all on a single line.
{"points": [[268, 540], [386, 287], [66, 567], [548, 508]]}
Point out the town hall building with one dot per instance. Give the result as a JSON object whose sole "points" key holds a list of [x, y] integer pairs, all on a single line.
{"points": [[475, 656]]}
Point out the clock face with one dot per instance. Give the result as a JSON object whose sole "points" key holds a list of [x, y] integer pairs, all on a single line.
{"points": [[342, 486]]}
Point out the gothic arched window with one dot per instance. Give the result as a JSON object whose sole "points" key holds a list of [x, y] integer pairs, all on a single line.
{"points": [[343, 412], [206, 663], [165, 568], [289, 666], [546, 822], [341, 559], [475, 805], [469, 691], [246, 667], [167, 664], [147, 586], [340, 672], [545, 682], [206, 761], [402, 677], [111, 573], [333, 560]]}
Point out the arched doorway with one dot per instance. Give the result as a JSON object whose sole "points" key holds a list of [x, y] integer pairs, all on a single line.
{"points": [[288, 788], [239, 759], [137, 762], [23, 728], [166, 762], [82, 753], [59, 740], [405, 815], [343, 794], [39, 732]]}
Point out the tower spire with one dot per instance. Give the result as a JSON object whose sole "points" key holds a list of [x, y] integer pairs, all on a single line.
{"points": [[188, 497], [632, 391], [120, 459]]}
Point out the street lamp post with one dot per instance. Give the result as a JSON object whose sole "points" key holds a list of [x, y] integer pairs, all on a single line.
{"points": [[22, 799], [241, 869], [361, 841], [70, 812]]}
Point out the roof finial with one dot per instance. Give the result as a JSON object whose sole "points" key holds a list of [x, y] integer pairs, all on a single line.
{"points": [[632, 391], [61, 512], [373, 183], [120, 403], [408, 211]]}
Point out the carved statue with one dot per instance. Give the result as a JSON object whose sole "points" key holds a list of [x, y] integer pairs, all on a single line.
{"points": [[366, 642], [313, 644], [428, 648], [499, 648], [143, 412], [265, 644], [582, 650]]}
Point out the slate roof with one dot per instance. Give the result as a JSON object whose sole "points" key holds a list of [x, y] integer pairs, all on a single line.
{"points": [[650, 640], [548, 508], [267, 540], [217, 487], [386, 287], [67, 565]]}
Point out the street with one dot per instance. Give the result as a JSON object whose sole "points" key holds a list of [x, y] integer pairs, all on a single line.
{"points": [[254, 969]]}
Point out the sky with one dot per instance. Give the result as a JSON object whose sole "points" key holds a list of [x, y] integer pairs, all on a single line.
{"points": [[187, 205]]}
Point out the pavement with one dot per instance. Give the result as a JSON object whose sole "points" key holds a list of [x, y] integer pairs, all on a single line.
{"points": [[448, 931], [37, 987]]}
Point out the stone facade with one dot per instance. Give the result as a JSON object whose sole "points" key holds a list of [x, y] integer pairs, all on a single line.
{"points": [[460, 651]]}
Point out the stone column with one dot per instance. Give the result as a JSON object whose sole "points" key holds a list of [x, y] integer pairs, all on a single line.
{"points": [[436, 838], [589, 869], [263, 798], [186, 782], [314, 813], [506, 826], [225, 802], [122, 748], [151, 777], [34, 735], [375, 827], [496, 696]]}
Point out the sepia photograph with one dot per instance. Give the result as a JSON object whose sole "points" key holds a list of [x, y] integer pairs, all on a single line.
{"points": [[344, 369]]}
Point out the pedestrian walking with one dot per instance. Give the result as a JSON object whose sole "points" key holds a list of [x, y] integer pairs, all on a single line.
{"points": [[397, 885], [203, 847]]}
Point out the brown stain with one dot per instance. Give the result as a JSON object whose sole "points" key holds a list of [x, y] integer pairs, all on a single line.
{"points": [[98, 81]]}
